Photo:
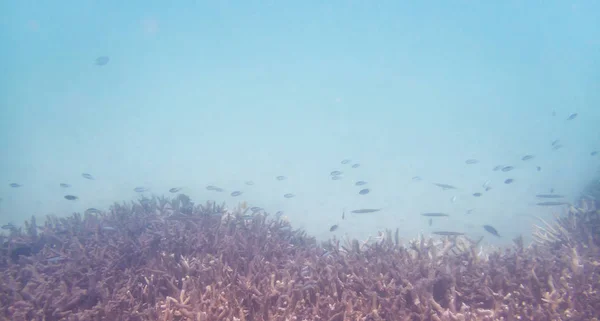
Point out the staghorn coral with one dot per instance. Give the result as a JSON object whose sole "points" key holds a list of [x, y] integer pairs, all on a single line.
{"points": [[163, 259]]}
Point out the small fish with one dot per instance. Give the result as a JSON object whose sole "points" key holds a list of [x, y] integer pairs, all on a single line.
{"points": [[336, 173], [175, 189], [355, 165], [336, 177], [289, 195], [92, 210], [214, 188], [554, 143], [140, 189], [279, 214], [87, 176], [281, 178], [471, 161], [539, 169], [477, 194], [71, 197], [416, 178], [64, 185], [9, 226], [557, 147], [236, 193], [444, 186], [572, 116], [551, 190], [435, 214], [497, 168], [508, 181], [343, 215], [448, 233], [256, 209], [364, 191], [491, 230], [360, 183], [594, 153], [102, 61], [14, 185], [453, 199], [486, 184], [549, 196], [527, 157], [366, 210], [333, 228], [345, 161], [551, 203], [488, 188], [249, 183], [507, 168], [430, 221]]}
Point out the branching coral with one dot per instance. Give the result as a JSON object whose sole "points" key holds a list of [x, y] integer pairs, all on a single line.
{"points": [[162, 259]]}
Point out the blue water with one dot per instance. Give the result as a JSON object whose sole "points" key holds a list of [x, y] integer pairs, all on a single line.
{"points": [[203, 93]]}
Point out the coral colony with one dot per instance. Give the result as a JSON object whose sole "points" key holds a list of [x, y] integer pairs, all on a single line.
{"points": [[162, 259]]}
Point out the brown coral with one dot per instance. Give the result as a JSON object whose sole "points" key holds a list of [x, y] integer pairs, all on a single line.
{"points": [[161, 259]]}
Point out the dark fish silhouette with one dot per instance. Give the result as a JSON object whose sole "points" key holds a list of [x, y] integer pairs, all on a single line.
{"points": [[345, 161], [471, 161], [416, 178], [64, 185], [435, 214], [572, 116], [527, 157], [551, 203], [102, 61], [507, 168], [333, 228], [444, 186], [336, 177], [140, 189], [360, 183], [88, 176], [249, 183], [447, 233], [477, 194], [14, 185], [336, 173], [508, 181], [364, 191], [214, 188], [10, 227], [175, 189], [236, 193], [92, 210], [491, 230], [497, 168], [71, 197], [430, 221], [366, 210], [594, 153], [539, 169], [289, 195], [356, 166], [549, 196]]}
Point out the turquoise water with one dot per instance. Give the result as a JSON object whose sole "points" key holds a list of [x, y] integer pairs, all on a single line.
{"points": [[219, 93]]}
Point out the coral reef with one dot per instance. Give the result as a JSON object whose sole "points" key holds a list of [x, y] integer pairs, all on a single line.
{"points": [[162, 259]]}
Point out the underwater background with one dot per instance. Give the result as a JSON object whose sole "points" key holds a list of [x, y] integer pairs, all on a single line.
{"points": [[232, 94]]}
